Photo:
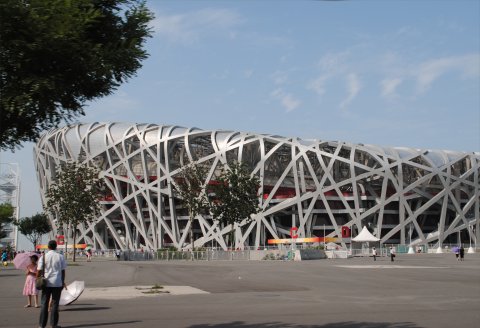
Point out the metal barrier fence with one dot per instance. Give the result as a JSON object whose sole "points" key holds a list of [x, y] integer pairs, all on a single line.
{"points": [[172, 255], [270, 253]]}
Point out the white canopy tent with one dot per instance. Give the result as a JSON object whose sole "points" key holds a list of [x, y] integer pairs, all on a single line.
{"points": [[365, 236]]}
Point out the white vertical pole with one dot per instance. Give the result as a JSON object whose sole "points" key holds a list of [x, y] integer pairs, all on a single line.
{"points": [[470, 234], [264, 236], [324, 236]]}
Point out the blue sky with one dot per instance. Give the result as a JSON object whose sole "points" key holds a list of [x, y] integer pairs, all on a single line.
{"points": [[392, 73]]}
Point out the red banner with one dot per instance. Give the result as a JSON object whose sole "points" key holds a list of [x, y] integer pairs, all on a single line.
{"points": [[60, 240]]}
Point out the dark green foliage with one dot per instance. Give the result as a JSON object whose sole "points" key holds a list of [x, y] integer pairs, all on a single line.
{"points": [[56, 55], [74, 197], [6, 216], [234, 196], [34, 227]]}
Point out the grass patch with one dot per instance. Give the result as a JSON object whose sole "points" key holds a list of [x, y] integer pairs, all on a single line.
{"points": [[155, 289]]}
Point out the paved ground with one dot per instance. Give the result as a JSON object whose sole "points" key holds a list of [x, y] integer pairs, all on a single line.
{"points": [[419, 290]]}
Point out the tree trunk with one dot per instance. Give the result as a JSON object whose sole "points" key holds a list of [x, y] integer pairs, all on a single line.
{"points": [[65, 238], [74, 240], [191, 235]]}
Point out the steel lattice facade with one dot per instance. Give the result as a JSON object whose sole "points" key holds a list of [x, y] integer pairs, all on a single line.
{"points": [[404, 195]]}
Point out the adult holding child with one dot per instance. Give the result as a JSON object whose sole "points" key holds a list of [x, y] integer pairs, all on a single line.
{"points": [[52, 266]]}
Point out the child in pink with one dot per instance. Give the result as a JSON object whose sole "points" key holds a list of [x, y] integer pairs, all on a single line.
{"points": [[29, 289]]}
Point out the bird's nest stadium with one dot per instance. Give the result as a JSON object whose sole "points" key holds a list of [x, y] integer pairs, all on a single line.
{"points": [[402, 195]]}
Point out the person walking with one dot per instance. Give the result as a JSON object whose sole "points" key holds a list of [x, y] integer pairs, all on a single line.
{"points": [[457, 253], [29, 289], [462, 253], [392, 253], [53, 266], [5, 258], [89, 255], [374, 253]]}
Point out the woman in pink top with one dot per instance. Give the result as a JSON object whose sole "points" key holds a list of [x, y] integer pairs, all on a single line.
{"points": [[29, 289]]}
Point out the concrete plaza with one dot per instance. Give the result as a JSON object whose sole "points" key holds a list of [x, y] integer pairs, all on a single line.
{"points": [[417, 290]]}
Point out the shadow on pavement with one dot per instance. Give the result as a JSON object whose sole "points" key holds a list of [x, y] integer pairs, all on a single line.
{"points": [[12, 275], [93, 308], [99, 324], [347, 324]]}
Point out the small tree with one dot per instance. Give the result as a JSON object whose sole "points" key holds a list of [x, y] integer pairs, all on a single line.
{"points": [[74, 197], [6, 217], [190, 187], [34, 227], [234, 197]]}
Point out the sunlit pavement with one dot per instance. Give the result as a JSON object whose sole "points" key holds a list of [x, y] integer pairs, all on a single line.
{"points": [[417, 290]]}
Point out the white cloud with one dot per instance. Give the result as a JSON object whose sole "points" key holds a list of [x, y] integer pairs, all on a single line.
{"points": [[468, 66], [190, 27], [408, 31], [248, 73], [389, 87], [334, 62], [286, 99], [283, 59], [332, 66], [318, 85], [280, 77], [221, 76], [353, 88]]}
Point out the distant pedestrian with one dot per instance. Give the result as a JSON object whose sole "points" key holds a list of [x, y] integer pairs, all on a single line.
{"points": [[53, 265], [457, 253], [117, 254], [392, 253], [462, 253], [89, 255], [374, 253], [5, 258]]}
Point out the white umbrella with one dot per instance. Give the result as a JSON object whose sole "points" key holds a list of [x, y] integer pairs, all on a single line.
{"points": [[72, 292]]}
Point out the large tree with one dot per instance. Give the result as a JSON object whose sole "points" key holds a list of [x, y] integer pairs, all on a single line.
{"points": [[74, 197], [6, 217], [56, 55], [34, 227], [190, 187], [234, 198]]}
